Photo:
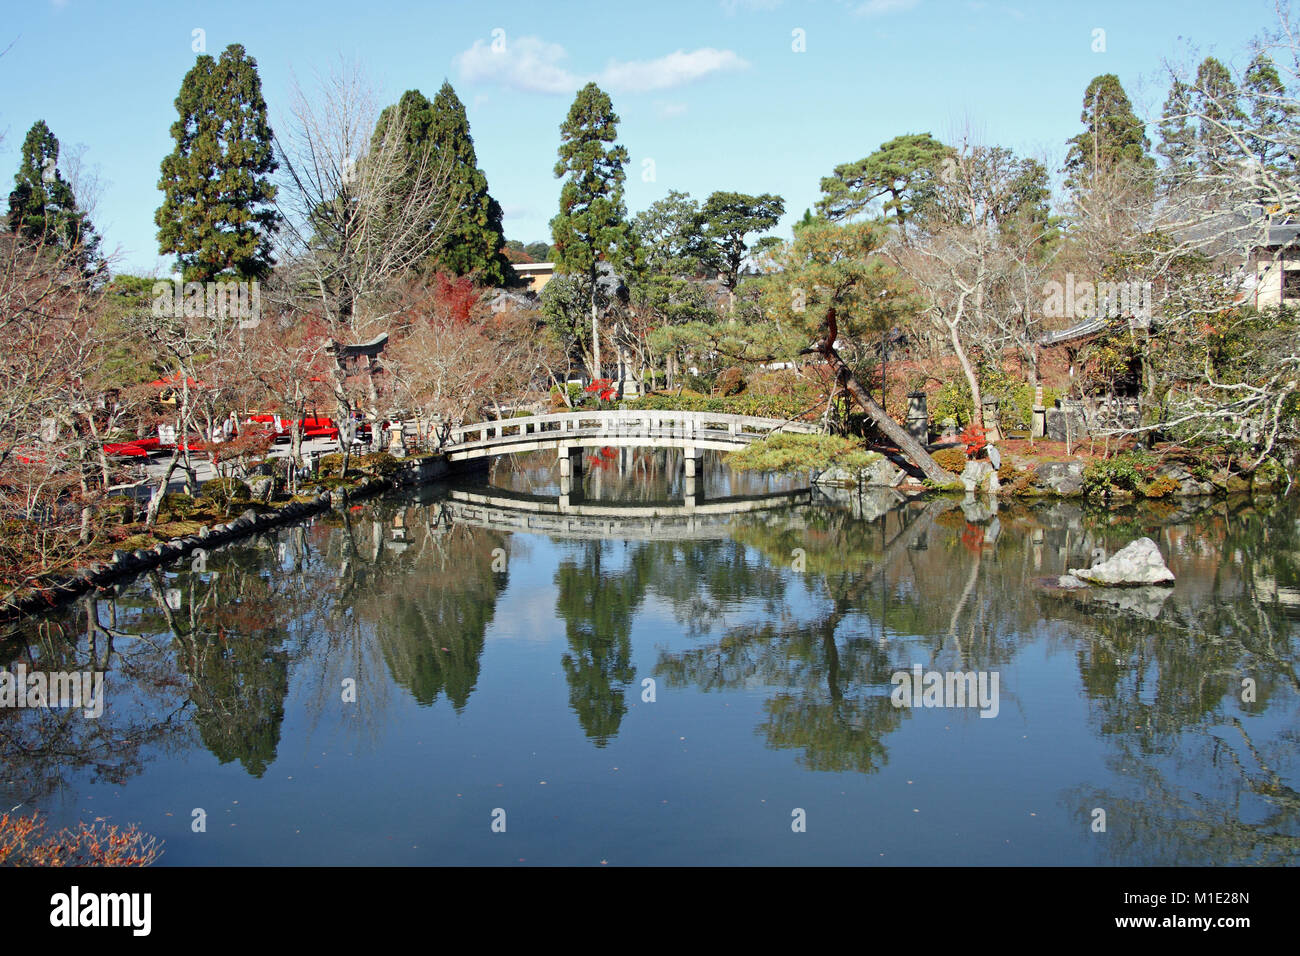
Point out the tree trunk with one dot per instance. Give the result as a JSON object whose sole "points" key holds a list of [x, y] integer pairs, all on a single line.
{"points": [[155, 502], [908, 445], [976, 397], [83, 536], [595, 335]]}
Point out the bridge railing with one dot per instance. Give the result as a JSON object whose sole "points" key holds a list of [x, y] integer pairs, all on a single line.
{"points": [[622, 422]]}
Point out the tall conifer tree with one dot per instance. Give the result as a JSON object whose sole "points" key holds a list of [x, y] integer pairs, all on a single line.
{"points": [[1177, 136], [43, 207], [217, 215], [592, 222], [1112, 136], [475, 240]]}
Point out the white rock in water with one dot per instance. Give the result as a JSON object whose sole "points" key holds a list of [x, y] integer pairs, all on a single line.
{"points": [[1139, 563]]}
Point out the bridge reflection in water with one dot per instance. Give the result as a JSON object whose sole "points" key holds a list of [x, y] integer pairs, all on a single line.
{"points": [[506, 510], [645, 493]]}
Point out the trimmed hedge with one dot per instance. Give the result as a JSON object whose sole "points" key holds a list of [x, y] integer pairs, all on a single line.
{"points": [[761, 406]]}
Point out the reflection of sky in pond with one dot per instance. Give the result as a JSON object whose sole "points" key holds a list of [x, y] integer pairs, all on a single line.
{"points": [[506, 669]]}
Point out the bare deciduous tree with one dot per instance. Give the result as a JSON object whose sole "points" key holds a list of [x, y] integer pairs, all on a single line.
{"points": [[361, 208]]}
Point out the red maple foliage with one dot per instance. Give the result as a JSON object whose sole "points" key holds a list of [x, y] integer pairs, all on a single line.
{"points": [[974, 439], [457, 295], [605, 387]]}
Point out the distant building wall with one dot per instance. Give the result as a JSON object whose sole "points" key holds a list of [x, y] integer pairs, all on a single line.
{"points": [[535, 274], [1276, 281]]}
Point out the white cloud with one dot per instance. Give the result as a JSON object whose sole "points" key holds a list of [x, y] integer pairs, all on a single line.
{"points": [[533, 65], [665, 72], [525, 63]]}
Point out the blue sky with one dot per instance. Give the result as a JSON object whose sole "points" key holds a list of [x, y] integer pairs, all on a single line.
{"points": [[711, 92]]}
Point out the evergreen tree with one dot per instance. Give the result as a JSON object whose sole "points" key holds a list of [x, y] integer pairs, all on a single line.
{"points": [[474, 241], [662, 279], [1112, 136], [42, 206], [591, 225], [1273, 117], [217, 215], [724, 221], [1177, 136], [895, 172], [1216, 101], [808, 219]]}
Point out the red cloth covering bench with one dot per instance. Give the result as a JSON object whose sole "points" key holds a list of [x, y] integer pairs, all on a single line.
{"points": [[319, 428], [128, 449]]}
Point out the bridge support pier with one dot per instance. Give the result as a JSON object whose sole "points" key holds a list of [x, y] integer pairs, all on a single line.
{"points": [[691, 455], [570, 489], [570, 461]]}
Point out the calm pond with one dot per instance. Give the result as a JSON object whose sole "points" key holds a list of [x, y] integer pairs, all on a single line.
{"points": [[397, 683]]}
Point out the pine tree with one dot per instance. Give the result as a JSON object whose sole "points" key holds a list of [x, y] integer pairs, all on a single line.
{"points": [[42, 206], [1112, 136], [592, 222], [724, 221], [217, 215], [896, 173]]}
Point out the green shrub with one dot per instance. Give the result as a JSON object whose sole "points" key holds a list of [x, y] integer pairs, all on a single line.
{"points": [[1015, 399], [225, 490], [120, 512], [700, 383], [380, 464], [181, 505], [952, 400], [786, 452], [329, 464], [1125, 472]]}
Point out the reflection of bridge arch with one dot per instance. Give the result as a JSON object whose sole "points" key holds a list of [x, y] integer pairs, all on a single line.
{"points": [[569, 432], [512, 511]]}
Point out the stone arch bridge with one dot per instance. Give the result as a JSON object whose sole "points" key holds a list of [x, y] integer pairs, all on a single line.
{"points": [[568, 433]]}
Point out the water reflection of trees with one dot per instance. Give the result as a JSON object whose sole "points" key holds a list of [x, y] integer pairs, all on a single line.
{"points": [[830, 673], [598, 603], [949, 592], [431, 603], [41, 749], [202, 653], [1206, 784], [395, 596]]}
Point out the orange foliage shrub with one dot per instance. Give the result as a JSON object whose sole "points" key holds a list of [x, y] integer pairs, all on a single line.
{"points": [[23, 842]]}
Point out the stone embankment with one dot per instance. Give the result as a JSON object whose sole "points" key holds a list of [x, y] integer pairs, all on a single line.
{"points": [[126, 564]]}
